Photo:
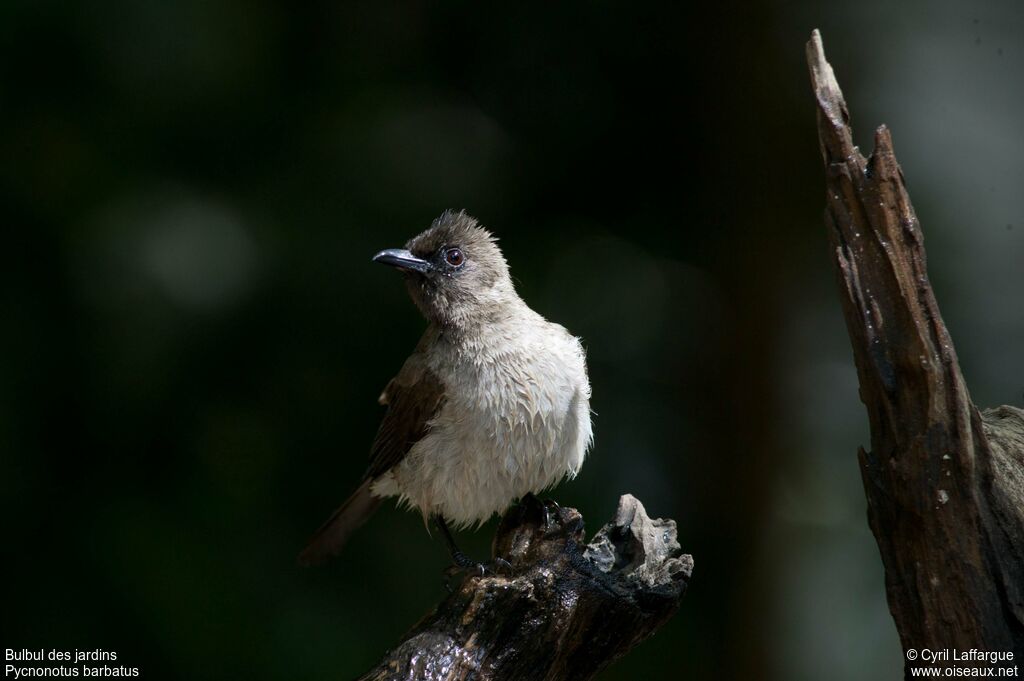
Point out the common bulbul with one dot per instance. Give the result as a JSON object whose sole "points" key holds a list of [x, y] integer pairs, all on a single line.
{"points": [[492, 405]]}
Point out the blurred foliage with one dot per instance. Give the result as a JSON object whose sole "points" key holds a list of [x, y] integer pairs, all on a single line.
{"points": [[194, 336]]}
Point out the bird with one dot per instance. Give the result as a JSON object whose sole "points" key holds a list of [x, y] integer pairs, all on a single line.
{"points": [[492, 406]]}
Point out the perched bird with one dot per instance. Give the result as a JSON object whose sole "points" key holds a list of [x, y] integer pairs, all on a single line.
{"points": [[492, 405]]}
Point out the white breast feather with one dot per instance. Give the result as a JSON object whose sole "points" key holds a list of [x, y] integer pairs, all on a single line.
{"points": [[513, 422]]}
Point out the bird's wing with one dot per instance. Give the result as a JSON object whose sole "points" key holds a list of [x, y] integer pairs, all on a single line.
{"points": [[412, 398]]}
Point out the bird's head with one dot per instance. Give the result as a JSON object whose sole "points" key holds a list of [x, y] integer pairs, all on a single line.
{"points": [[455, 272]]}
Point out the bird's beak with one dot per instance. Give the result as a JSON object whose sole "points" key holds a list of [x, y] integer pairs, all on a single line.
{"points": [[403, 260]]}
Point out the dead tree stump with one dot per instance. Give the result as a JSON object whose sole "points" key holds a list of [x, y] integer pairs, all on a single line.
{"points": [[944, 482], [567, 610]]}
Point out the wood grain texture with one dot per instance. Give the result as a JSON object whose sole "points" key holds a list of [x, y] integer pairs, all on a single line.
{"points": [[567, 610], [944, 482]]}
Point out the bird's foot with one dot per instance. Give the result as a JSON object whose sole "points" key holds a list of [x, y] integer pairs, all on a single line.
{"points": [[551, 507], [465, 567], [469, 567]]}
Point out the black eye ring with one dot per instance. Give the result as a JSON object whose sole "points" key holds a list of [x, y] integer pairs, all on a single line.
{"points": [[454, 257]]}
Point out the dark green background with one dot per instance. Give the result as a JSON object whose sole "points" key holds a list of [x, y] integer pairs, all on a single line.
{"points": [[194, 337]]}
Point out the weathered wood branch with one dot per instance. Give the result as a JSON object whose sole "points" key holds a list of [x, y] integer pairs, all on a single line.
{"points": [[944, 482], [567, 610]]}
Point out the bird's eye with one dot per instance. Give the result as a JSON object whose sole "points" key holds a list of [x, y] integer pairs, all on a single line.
{"points": [[454, 257]]}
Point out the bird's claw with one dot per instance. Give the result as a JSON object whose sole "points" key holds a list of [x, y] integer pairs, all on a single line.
{"points": [[500, 566], [549, 506]]}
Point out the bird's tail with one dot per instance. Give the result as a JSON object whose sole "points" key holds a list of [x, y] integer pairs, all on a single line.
{"points": [[333, 534]]}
